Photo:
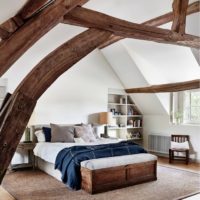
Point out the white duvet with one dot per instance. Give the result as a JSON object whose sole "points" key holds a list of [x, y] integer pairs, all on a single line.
{"points": [[48, 151]]}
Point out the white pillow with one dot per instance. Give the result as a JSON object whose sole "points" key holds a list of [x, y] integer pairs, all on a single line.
{"points": [[180, 145], [79, 140], [40, 136]]}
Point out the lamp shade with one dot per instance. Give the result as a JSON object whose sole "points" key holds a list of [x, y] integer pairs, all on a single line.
{"points": [[105, 118]]}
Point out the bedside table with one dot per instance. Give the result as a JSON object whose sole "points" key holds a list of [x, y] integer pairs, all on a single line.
{"points": [[31, 158]]}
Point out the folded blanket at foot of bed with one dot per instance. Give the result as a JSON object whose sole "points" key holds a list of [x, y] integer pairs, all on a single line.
{"points": [[68, 160]]}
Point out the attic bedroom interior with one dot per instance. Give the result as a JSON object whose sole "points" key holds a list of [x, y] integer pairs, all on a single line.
{"points": [[99, 99]]}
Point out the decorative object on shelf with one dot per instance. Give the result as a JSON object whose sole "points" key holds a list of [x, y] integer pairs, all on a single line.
{"points": [[128, 135], [105, 118], [112, 110], [122, 100], [134, 135], [130, 122], [130, 111]]}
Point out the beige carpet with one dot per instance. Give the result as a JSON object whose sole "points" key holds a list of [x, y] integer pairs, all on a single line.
{"points": [[36, 185]]}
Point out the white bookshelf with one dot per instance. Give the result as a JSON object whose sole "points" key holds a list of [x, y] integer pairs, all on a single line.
{"points": [[127, 118]]}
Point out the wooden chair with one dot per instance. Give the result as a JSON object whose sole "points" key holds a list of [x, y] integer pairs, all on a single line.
{"points": [[180, 139]]}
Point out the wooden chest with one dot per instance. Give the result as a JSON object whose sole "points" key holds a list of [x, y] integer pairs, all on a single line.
{"points": [[101, 180]]}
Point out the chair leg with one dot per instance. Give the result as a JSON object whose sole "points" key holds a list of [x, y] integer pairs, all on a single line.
{"points": [[187, 157], [170, 156]]}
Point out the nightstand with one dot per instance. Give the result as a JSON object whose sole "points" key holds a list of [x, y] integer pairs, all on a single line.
{"points": [[29, 146]]}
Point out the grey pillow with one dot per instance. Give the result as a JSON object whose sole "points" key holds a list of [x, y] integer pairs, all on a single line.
{"points": [[62, 133], [85, 132]]}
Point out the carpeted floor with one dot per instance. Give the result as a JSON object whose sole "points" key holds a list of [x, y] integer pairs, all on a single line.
{"points": [[36, 185]]}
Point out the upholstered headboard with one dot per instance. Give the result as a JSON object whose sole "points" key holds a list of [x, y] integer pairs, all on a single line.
{"points": [[98, 129]]}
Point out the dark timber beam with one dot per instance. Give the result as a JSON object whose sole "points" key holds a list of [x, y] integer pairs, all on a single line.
{"points": [[90, 18], [179, 15], [32, 7], [19, 42], [14, 23], [171, 87], [36, 83], [158, 21]]}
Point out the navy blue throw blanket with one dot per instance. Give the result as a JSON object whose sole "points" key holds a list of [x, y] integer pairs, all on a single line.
{"points": [[68, 160]]}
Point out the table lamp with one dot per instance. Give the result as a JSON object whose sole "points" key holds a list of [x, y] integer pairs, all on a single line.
{"points": [[105, 118]]}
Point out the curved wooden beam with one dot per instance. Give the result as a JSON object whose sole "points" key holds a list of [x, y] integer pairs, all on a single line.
{"points": [[158, 21], [33, 86], [90, 18], [32, 7], [171, 87], [15, 46], [27, 11]]}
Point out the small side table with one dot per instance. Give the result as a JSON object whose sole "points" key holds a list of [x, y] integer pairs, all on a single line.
{"points": [[31, 158]]}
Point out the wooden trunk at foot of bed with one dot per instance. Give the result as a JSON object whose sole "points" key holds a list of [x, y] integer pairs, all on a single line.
{"points": [[102, 180]]}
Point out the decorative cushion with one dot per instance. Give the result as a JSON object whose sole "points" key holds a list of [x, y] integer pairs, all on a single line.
{"points": [[40, 136], [179, 145], [62, 133], [47, 133], [79, 140], [85, 132]]}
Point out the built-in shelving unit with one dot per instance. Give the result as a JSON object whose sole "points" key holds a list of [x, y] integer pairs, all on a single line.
{"points": [[126, 117]]}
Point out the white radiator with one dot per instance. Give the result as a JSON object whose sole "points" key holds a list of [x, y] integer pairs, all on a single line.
{"points": [[159, 143]]}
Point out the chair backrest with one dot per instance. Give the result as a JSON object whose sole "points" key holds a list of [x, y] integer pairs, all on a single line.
{"points": [[179, 138]]}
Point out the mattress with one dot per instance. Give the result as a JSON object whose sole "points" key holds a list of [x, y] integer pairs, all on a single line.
{"points": [[48, 151]]}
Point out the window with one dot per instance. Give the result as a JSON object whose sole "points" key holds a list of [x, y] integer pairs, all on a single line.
{"points": [[191, 107], [185, 107]]}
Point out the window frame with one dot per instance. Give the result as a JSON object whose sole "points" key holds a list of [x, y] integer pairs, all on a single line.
{"points": [[190, 121]]}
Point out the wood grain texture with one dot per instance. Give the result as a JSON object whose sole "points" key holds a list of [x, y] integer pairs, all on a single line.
{"points": [[102, 180], [171, 87], [15, 46], [90, 18], [4, 34], [14, 23], [36, 82], [31, 7], [12, 128], [179, 15], [163, 19]]}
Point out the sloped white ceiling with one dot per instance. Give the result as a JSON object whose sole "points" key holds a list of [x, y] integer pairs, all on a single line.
{"points": [[130, 75], [162, 63], [136, 11]]}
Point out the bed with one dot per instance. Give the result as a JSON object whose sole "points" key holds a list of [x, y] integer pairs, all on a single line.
{"points": [[102, 174]]}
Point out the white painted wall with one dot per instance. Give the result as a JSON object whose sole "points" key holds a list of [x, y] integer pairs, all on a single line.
{"points": [[79, 93], [160, 124]]}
